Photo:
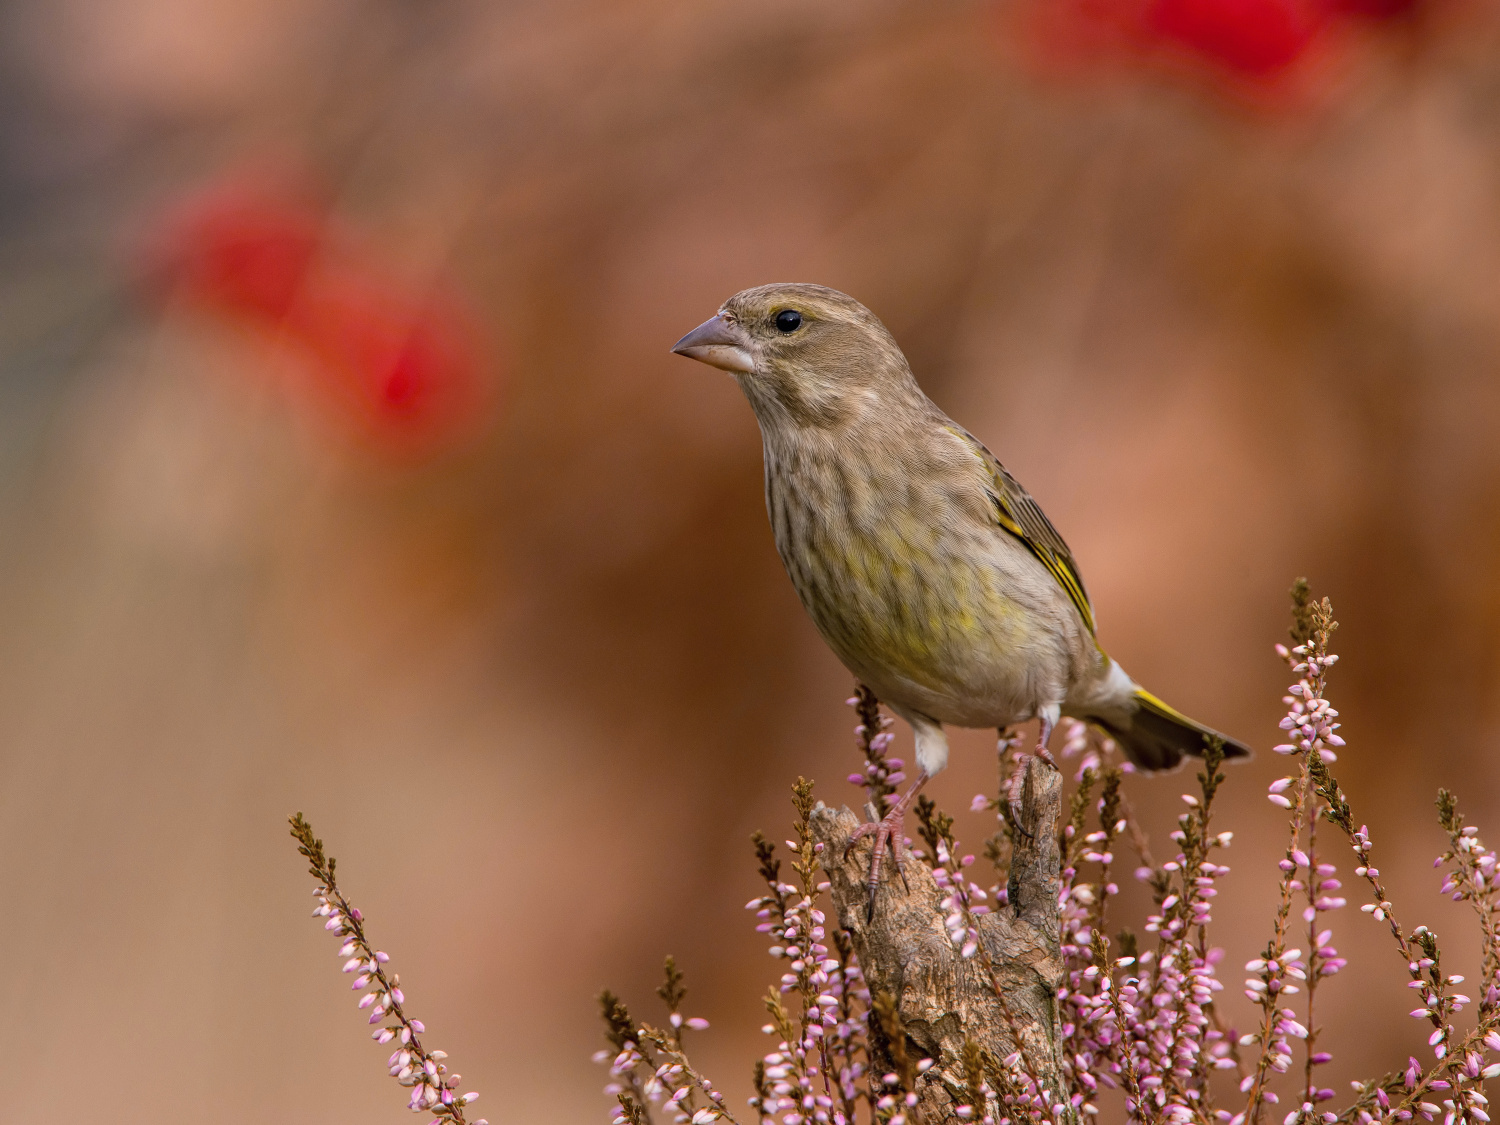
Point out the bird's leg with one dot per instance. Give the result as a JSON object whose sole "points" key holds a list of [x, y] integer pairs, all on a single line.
{"points": [[889, 831], [1049, 715], [932, 756]]}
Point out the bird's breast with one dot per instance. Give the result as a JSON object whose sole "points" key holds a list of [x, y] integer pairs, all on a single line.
{"points": [[901, 586]]}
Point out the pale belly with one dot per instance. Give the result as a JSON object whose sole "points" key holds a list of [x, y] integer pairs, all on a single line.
{"points": [[972, 634]]}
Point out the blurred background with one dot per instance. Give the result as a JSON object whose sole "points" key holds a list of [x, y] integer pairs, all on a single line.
{"points": [[344, 469]]}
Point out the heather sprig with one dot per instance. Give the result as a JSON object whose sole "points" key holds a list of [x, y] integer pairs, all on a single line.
{"points": [[881, 775], [648, 1066], [1475, 879], [1101, 845], [625, 1059], [817, 1069], [1196, 1046], [411, 1064], [1459, 1063], [1310, 724], [1071, 845], [1279, 971], [1322, 958], [1165, 1010], [677, 1074], [1088, 1002]]}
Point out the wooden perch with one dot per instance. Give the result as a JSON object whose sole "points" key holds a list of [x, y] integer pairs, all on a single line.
{"points": [[943, 999]]}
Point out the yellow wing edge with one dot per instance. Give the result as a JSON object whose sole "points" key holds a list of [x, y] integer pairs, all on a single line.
{"points": [[1059, 569], [1064, 574]]}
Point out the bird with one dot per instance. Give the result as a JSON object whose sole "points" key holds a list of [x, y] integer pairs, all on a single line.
{"points": [[930, 572]]}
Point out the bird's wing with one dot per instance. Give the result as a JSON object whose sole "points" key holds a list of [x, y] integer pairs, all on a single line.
{"points": [[1021, 516]]}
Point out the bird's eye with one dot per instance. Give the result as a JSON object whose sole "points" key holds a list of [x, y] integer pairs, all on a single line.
{"points": [[788, 321]]}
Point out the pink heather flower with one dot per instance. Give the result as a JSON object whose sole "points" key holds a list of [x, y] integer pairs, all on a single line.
{"points": [[382, 992]]}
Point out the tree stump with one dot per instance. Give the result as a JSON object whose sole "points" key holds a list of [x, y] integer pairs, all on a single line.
{"points": [[1003, 1002]]}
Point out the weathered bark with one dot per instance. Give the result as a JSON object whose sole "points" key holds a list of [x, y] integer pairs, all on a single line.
{"points": [[942, 998]]}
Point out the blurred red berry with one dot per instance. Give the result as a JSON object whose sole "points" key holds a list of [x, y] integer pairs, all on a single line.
{"points": [[1271, 50], [1376, 9], [242, 253], [1257, 38], [398, 362]]}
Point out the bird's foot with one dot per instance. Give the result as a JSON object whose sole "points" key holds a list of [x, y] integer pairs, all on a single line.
{"points": [[889, 832]]}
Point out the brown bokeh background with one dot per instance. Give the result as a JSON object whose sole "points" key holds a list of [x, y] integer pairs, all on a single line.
{"points": [[536, 689]]}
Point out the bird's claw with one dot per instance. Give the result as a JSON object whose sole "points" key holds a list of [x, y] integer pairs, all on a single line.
{"points": [[889, 833]]}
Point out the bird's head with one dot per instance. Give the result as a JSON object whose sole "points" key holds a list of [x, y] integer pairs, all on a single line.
{"points": [[803, 354]]}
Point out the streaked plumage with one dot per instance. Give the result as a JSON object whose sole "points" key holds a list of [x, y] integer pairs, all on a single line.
{"points": [[932, 574]]}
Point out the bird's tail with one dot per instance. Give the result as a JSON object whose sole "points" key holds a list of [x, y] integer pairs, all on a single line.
{"points": [[1155, 736]]}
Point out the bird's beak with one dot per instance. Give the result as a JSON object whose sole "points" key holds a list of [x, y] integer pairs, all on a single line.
{"points": [[718, 343]]}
